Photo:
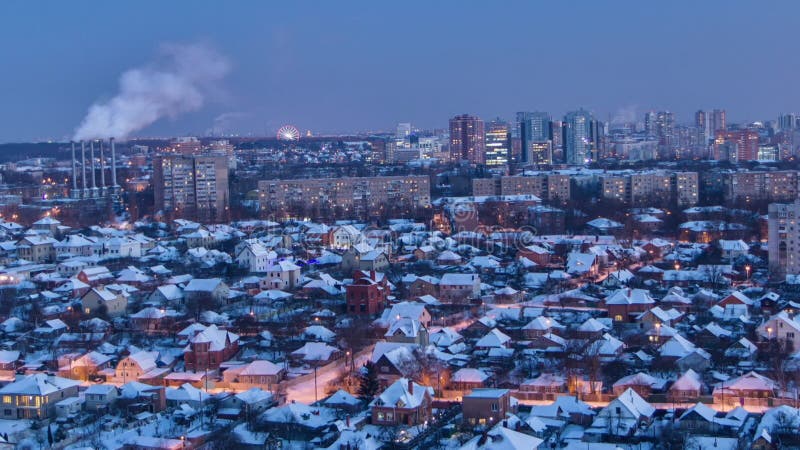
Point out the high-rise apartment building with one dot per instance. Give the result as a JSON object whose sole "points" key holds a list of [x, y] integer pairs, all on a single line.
{"points": [[498, 143], [736, 145], [787, 122], [535, 130], [467, 139], [717, 121], [578, 137], [783, 244], [191, 186]]}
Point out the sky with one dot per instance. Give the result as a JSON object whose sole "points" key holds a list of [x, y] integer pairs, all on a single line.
{"points": [[349, 66]]}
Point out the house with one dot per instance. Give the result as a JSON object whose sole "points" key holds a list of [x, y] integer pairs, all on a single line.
{"points": [[316, 354], [153, 320], [421, 286], [493, 339], [362, 256], [487, 406], [750, 388], [501, 437], [408, 310], [582, 264], [168, 294], [702, 419], [535, 253], [99, 397], [209, 348], [35, 396], [466, 379], [104, 302], [459, 287], [407, 330], [96, 275], [545, 386], [260, 373], [403, 403], [135, 366], [368, 293], [74, 245], [394, 360], [622, 417], [344, 401], [736, 304], [281, 275], [37, 248], [299, 421], [687, 388], [250, 402], [84, 367], [205, 290], [782, 327], [344, 237], [603, 226], [541, 326], [644, 384], [625, 304], [656, 317], [144, 397], [733, 249], [507, 295], [254, 256]]}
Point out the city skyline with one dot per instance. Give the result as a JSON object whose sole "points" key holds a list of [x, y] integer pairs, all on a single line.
{"points": [[301, 63]]}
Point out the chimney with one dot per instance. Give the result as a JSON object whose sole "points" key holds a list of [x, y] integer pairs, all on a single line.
{"points": [[411, 386], [94, 181], [83, 165], [113, 164], [102, 168], [74, 170]]}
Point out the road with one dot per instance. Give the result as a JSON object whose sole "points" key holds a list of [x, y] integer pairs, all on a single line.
{"points": [[303, 392]]}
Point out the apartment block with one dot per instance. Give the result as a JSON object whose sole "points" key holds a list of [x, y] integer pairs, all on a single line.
{"points": [[547, 186], [191, 186], [344, 197], [643, 188], [784, 239], [750, 187]]}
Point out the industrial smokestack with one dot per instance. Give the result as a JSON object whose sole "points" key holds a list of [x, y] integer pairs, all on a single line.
{"points": [[83, 165], [94, 180], [113, 164], [102, 168], [74, 170]]}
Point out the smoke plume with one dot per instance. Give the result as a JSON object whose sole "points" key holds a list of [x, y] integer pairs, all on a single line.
{"points": [[175, 83]]}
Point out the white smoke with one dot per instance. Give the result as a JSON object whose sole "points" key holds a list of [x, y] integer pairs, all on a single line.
{"points": [[176, 83]]}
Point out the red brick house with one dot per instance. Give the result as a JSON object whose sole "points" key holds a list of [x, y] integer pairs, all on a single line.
{"points": [[403, 403], [209, 348], [367, 295]]}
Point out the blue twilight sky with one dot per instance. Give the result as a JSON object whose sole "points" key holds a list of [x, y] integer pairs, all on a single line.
{"points": [[333, 66]]}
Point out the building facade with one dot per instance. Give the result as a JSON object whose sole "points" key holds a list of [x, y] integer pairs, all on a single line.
{"points": [[467, 139], [191, 186]]}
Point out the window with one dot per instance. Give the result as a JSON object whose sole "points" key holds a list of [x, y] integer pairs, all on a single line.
{"points": [[494, 407]]}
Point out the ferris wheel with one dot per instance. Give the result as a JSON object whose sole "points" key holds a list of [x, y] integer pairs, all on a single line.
{"points": [[288, 133]]}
